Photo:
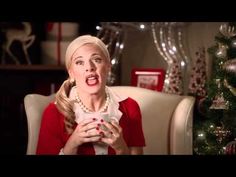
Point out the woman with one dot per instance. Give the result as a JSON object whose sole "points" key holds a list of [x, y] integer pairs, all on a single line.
{"points": [[87, 117]]}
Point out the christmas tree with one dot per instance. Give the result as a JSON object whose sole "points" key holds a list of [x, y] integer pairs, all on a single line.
{"points": [[215, 123]]}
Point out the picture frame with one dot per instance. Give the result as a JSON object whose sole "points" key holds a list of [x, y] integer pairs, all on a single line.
{"points": [[149, 78]]}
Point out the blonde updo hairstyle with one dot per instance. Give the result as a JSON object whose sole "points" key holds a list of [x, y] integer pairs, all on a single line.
{"points": [[63, 103]]}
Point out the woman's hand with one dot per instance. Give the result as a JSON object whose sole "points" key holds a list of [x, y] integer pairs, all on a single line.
{"points": [[112, 136], [86, 131]]}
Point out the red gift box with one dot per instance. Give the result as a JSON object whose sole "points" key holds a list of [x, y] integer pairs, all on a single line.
{"points": [[149, 78]]}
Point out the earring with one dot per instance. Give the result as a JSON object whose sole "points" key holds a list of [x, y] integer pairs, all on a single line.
{"points": [[72, 80]]}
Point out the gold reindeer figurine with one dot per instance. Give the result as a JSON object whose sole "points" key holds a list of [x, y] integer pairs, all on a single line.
{"points": [[22, 35]]}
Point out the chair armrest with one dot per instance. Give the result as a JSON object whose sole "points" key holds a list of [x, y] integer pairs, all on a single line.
{"points": [[181, 127]]}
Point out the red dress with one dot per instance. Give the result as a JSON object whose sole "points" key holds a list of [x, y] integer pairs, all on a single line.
{"points": [[53, 135]]}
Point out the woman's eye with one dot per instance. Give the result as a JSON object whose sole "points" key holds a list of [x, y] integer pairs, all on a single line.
{"points": [[78, 62], [98, 60]]}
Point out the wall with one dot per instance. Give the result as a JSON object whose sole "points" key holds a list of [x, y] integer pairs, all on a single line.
{"points": [[140, 51], [202, 34]]}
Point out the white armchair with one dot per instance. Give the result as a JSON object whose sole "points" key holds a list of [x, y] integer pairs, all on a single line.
{"points": [[167, 119]]}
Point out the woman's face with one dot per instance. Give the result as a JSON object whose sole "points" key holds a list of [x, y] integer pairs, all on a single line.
{"points": [[89, 68]]}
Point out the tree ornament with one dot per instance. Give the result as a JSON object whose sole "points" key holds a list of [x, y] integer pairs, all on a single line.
{"points": [[231, 148], [222, 51], [230, 66], [113, 35], [219, 101], [227, 31], [232, 89], [201, 107], [233, 43], [221, 133]]}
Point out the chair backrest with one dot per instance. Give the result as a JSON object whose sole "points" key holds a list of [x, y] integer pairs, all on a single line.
{"points": [[34, 107], [167, 119]]}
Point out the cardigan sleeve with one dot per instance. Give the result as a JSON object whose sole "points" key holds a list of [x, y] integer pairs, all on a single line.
{"points": [[50, 140], [136, 135]]}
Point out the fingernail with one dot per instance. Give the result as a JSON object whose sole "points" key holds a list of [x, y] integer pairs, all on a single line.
{"points": [[102, 120], [94, 119], [111, 132], [102, 134], [98, 125], [97, 128]]}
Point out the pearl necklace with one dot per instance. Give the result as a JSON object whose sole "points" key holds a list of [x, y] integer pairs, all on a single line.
{"points": [[87, 110]]}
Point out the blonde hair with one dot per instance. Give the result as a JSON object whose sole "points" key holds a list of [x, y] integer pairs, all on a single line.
{"points": [[80, 41], [63, 103]]}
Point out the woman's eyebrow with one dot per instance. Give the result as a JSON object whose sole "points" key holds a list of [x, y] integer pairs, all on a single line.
{"points": [[77, 57], [95, 54]]}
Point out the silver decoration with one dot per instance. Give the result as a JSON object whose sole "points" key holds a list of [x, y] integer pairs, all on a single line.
{"points": [[227, 31], [185, 63], [168, 39], [112, 34]]}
